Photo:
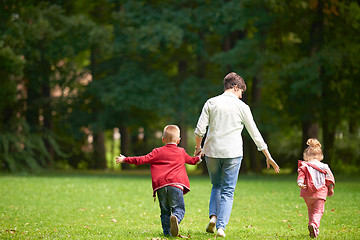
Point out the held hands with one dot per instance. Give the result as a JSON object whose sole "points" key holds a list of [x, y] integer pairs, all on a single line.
{"points": [[198, 152], [120, 159], [270, 161]]}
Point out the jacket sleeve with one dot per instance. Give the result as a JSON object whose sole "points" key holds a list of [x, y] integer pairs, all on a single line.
{"points": [[148, 158], [190, 160], [301, 173], [301, 176], [329, 178], [252, 129], [203, 121]]}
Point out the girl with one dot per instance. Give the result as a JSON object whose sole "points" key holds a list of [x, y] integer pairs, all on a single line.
{"points": [[316, 182]]}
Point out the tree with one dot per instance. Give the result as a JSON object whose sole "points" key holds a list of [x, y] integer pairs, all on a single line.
{"points": [[45, 38]]}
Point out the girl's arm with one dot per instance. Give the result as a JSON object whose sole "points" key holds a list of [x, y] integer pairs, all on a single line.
{"points": [[331, 190]]}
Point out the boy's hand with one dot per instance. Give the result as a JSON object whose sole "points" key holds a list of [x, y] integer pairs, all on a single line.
{"points": [[270, 161], [120, 159], [302, 186], [331, 192]]}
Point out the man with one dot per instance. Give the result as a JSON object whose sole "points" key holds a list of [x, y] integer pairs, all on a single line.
{"points": [[225, 116]]}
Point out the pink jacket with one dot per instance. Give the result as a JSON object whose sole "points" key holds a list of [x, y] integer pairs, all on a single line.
{"points": [[317, 177], [167, 165]]}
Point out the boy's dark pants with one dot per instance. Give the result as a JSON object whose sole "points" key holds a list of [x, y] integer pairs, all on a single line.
{"points": [[171, 201]]}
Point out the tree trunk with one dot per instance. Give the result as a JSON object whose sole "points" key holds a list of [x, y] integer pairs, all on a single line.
{"points": [[125, 144], [183, 135], [310, 127], [309, 130], [182, 69], [99, 150], [46, 110], [99, 139]]}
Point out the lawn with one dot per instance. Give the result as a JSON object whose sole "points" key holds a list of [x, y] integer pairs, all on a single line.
{"points": [[120, 206]]}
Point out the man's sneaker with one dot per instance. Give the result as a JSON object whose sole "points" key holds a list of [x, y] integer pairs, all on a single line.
{"points": [[174, 226], [211, 225], [220, 233], [312, 231]]}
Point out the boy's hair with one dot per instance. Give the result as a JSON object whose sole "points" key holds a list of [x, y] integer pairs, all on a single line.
{"points": [[313, 151], [233, 79], [171, 133]]}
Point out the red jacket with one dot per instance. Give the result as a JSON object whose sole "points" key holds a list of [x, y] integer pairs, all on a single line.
{"points": [[316, 188], [167, 164]]}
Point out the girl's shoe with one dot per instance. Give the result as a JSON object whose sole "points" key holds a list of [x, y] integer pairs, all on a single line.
{"points": [[312, 231]]}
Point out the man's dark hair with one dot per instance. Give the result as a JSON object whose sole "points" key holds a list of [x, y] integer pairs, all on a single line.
{"points": [[233, 79]]}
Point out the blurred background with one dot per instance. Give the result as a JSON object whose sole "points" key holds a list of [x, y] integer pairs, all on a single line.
{"points": [[82, 81]]}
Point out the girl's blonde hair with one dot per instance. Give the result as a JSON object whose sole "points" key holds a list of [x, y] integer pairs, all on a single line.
{"points": [[313, 151]]}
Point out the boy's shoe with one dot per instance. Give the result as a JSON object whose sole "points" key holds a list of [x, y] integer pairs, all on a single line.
{"points": [[210, 228], [174, 226], [312, 231], [220, 233]]}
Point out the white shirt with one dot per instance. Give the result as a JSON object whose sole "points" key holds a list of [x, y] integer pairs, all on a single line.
{"points": [[226, 115]]}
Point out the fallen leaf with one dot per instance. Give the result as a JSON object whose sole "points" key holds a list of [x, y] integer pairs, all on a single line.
{"points": [[114, 220], [87, 227], [181, 236]]}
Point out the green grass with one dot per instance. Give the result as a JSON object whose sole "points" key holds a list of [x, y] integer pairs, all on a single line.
{"points": [[120, 206]]}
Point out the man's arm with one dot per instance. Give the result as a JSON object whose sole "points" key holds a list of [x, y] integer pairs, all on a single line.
{"points": [[270, 161]]}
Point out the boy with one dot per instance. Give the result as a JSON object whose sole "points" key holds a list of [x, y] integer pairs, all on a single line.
{"points": [[169, 177]]}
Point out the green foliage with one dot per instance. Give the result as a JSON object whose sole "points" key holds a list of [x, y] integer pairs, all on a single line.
{"points": [[148, 63], [102, 206], [24, 151]]}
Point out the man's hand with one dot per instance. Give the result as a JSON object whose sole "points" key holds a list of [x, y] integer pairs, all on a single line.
{"points": [[302, 186], [120, 159], [270, 161]]}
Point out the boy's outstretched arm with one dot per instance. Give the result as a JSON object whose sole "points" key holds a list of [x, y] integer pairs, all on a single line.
{"points": [[120, 159]]}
